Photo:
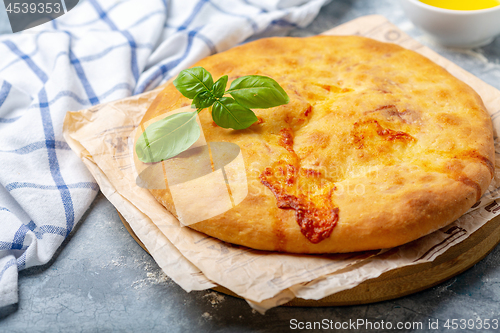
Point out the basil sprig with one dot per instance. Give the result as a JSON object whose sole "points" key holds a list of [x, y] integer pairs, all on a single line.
{"points": [[251, 91], [176, 133]]}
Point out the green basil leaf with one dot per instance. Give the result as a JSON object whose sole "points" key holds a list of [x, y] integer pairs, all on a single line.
{"points": [[203, 100], [192, 81], [258, 92], [168, 137], [220, 86], [227, 113]]}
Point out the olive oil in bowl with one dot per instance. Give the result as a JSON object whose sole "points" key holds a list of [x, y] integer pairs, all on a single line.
{"points": [[456, 23], [462, 4]]}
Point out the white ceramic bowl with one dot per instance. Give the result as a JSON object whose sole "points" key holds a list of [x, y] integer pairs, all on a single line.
{"points": [[455, 28]]}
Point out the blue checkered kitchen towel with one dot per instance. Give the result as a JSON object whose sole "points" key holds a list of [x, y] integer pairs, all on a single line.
{"points": [[100, 51]]}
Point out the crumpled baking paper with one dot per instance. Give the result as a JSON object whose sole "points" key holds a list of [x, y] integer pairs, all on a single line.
{"points": [[103, 136]]}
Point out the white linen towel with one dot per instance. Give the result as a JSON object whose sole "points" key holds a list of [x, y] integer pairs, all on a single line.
{"points": [[102, 50]]}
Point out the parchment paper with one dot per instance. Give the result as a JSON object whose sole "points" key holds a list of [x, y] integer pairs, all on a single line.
{"points": [[103, 137]]}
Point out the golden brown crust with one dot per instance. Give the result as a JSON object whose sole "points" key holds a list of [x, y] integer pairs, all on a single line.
{"points": [[399, 145]]}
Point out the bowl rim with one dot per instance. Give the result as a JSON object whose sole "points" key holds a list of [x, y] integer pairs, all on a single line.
{"points": [[453, 11]]}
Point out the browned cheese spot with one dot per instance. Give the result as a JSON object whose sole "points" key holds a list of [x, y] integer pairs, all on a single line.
{"points": [[296, 188], [366, 132]]}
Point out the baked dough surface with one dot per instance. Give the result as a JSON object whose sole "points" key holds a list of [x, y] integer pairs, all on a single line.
{"points": [[377, 147]]}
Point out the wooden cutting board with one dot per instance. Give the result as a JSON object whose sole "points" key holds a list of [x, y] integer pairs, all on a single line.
{"points": [[407, 280]]}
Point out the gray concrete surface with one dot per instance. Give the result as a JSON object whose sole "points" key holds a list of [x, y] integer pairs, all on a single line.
{"points": [[102, 281]]}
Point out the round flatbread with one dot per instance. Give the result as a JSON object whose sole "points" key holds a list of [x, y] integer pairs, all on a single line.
{"points": [[377, 147]]}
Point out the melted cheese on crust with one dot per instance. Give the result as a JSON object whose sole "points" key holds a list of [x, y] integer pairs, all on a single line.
{"points": [[377, 147]]}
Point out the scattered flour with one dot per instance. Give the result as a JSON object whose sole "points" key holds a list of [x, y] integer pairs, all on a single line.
{"points": [[118, 262], [154, 276], [214, 298], [206, 315]]}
